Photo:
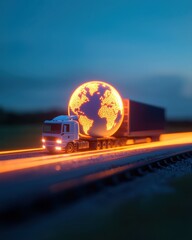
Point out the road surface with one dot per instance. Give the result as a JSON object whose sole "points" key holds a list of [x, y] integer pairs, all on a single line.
{"points": [[26, 173]]}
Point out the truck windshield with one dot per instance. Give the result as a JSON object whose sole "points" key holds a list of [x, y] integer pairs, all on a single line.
{"points": [[52, 128]]}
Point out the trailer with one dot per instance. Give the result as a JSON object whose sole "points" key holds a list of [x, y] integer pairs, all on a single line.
{"points": [[140, 121]]}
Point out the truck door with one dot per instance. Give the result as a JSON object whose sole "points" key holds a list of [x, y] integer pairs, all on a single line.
{"points": [[67, 132]]}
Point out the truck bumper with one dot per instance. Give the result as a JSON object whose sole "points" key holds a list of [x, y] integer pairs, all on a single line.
{"points": [[54, 148]]}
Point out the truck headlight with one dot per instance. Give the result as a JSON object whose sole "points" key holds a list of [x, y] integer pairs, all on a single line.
{"points": [[43, 140], [58, 141], [58, 148]]}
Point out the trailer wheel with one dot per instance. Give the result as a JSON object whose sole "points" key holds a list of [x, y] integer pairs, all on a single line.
{"points": [[70, 148], [104, 145], [123, 142], [109, 144], [155, 138], [116, 143], [98, 145], [148, 140]]}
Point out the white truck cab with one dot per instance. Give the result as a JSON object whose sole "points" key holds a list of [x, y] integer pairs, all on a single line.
{"points": [[60, 133]]}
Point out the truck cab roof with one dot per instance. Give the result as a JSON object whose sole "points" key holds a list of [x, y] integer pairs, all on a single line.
{"points": [[62, 118]]}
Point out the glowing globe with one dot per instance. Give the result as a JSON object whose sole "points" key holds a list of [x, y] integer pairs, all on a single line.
{"points": [[99, 108]]}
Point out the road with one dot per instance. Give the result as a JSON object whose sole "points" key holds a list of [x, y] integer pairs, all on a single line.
{"points": [[27, 173], [32, 158]]}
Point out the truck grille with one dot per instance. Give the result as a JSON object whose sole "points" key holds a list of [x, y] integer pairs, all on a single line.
{"points": [[50, 138]]}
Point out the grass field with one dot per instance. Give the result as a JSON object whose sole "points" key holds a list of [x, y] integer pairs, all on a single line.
{"points": [[162, 216], [20, 136]]}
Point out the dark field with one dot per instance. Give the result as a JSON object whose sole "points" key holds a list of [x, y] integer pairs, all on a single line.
{"points": [[20, 136], [29, 136], [166, 216]]}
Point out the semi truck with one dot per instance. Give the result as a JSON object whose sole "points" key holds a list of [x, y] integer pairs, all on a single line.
{"points": [[140, 121]]}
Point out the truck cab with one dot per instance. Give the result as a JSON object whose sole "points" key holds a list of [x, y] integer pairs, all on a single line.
{"points": [[60, 133]]}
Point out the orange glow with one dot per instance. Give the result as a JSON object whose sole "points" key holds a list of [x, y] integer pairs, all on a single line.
{"points": [[57, 167], [167, 140], [148, 140], [58, 148], [43, 146], [130, 141], [20, 151], [58, 141], [178, 136]]}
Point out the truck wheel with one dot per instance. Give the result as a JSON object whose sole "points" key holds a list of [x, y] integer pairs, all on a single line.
{"points": [[70, 148]]}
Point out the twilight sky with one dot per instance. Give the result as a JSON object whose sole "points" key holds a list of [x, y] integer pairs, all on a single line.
{"points": [[143, 48]]}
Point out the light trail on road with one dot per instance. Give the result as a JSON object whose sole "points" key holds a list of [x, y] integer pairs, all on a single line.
{"points": [[20, 151], [166, 140]]}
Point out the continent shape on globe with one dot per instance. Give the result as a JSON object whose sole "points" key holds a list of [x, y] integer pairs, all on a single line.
{"points": [[99, 108]]}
